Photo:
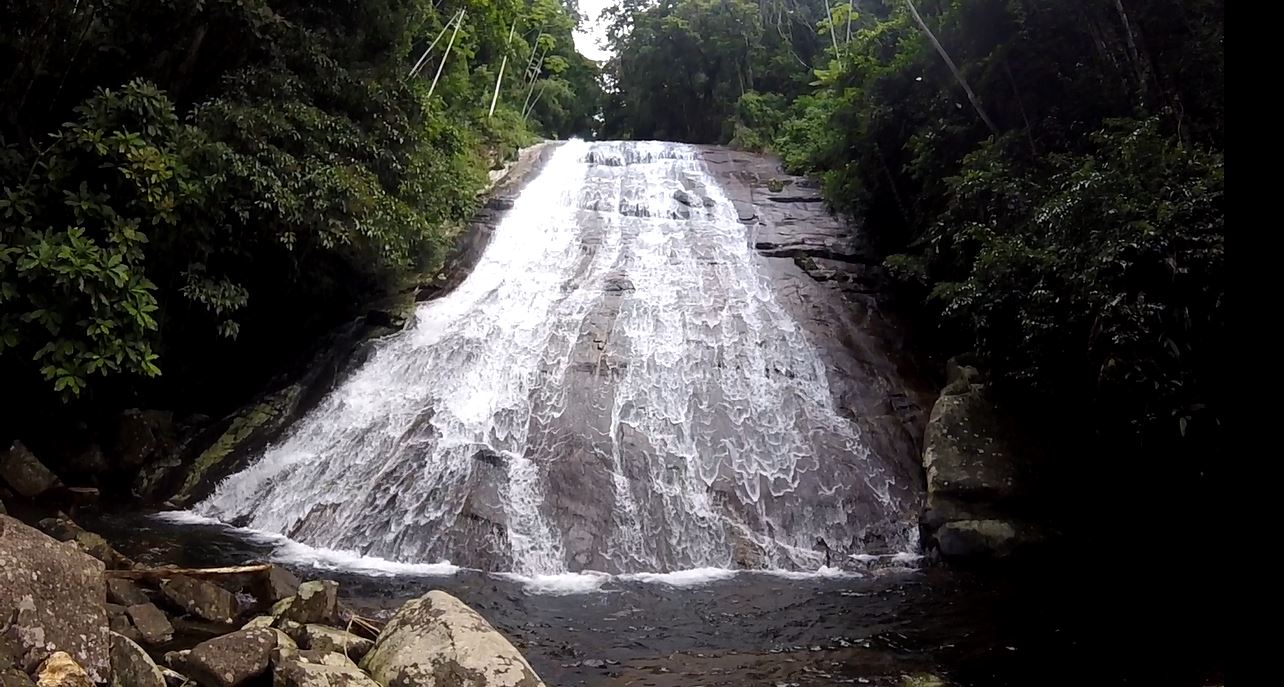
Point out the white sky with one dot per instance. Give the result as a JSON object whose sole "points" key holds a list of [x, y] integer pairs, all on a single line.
{"points": [[592, 31]]}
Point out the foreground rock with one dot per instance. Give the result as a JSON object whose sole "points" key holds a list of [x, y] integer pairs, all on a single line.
{"points": [[52, 599], [24, 473], [437, 641], [230, 660], [975, 482], [60, 670], [131, 666]]}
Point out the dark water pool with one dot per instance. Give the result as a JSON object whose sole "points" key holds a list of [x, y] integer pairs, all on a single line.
{"points": [[1054, 623]]}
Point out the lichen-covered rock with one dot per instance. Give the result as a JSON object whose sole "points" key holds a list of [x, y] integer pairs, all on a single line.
{"points": [[131, 666], [438, 641], [25, 473], [52, 598], [322, 638], [200, 598], [317, 601], [61, 670], [320, 669], [125, 593], [232, 659], [151, 623]]}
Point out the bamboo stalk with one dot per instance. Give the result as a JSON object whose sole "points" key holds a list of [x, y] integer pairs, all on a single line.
{"points": [[503, 63], [446, 56], [958, 76], [415, 69]]}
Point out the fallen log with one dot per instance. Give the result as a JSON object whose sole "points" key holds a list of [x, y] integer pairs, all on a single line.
{"points": [[157, 574]]}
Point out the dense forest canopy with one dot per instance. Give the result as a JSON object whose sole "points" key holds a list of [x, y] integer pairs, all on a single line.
{"points": [[190, 190], [1046, 176]]}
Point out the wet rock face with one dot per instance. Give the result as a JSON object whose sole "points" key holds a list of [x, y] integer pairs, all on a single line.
{"points": [[436, 640], [52, 598]]}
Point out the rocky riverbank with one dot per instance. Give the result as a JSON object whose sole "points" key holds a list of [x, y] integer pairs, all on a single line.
{"points": [[74, 620]]}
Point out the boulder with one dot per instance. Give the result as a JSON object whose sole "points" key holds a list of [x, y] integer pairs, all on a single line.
{"points": [[151, 623], [259, 621], [436, 640], [131, 666], [61, 670], [24, 473], [52, 598], [278, 584], [65, 529], [202, 599], [976, 490], [320, 669], [12, 677], [317, 601], [322, 638], [125, 593], [232, 659]]}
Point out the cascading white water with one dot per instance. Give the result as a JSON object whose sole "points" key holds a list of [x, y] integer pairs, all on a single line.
{"points": [[615, 386]]}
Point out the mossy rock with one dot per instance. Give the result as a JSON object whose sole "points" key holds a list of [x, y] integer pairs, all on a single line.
{"points": [[267, 417]]}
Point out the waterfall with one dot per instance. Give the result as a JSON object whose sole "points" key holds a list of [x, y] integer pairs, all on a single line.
{"points": [[615, 386]]}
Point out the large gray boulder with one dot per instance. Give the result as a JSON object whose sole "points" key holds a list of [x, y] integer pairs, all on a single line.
{"points": [[52, 598], [438, 641], [24, 473], [131, 666]]}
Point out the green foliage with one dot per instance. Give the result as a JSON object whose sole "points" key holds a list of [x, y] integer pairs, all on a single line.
{"points": [[265, 167], [1077, 246]]}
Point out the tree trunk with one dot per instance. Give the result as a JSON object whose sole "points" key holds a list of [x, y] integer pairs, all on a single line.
{"points": [[971, 96]]}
